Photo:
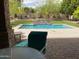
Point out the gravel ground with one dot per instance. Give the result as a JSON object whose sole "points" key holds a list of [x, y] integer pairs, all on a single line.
{"points": [[63, 48]]}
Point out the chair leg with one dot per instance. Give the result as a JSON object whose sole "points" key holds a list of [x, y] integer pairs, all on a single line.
{"points": [[44, 51]]}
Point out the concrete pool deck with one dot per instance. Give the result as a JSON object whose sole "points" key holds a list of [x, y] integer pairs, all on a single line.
{"points": [[52, 33]]}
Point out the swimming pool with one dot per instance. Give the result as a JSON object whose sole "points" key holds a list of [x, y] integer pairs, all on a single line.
{"points": [[45, 26]]}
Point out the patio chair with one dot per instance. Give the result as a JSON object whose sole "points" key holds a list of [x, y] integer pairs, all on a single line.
{"points": [[37, 40]]}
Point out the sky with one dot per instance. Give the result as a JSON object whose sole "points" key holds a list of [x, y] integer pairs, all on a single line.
{"points": [[33, 3]]}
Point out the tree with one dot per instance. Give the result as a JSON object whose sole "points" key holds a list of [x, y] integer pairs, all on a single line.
{"points": [[76, 13], [68, 7], [50, 8], [15, 7]]}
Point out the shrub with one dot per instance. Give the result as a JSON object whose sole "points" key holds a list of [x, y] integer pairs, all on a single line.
{"points": [[76, 13]]}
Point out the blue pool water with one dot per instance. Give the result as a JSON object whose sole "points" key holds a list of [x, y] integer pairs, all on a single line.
{"points": [[45, 26]]}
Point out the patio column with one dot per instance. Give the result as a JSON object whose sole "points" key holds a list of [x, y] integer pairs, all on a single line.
{"points": [[6, 35]]}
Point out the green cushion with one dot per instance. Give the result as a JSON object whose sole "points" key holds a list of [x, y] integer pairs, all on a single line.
{"points": [[37, 39]]}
